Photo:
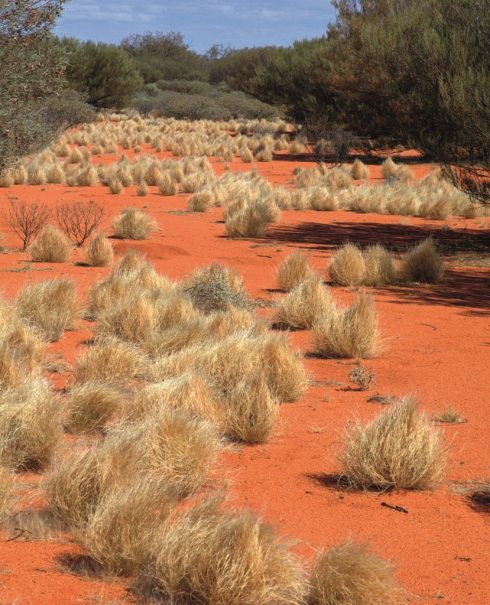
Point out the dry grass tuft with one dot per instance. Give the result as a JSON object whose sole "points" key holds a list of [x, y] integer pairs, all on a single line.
{"points": [[50, 306], [247, 222], [134, 224], [348, 267], [99, 251], [294, 270], [305, 304], [449, 416], [109, 360], [399, 449], [30, 427], [21, 355], [215, 288], [380, 268], [350, 574], [209, 556], [359, 170], [122, 526], [91, 405], [7, 485], [389, 169], [350, 332], [422, 263], [200, 202], [51, 246]]}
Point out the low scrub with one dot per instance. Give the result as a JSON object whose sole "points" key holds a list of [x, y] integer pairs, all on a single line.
{"points": [[30, 427], [134, 224], [51, 246], [51, 307], [215, 288], [294, 270], [350, 332], [350, 574], [399, 449], [305, 305], [209, 556], [99, 251], [422, 263]]}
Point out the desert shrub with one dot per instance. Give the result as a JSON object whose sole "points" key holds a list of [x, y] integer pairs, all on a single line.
{"points": [[362, 377], [294, 270], [380, 269], [7, 485], [215, 288], [347, 266], [350, 574], [305, 304], [250, 410], [27, 220], [109, 360], [99, 251], [79, 220], [422, 263], [389, 169], [50, 306], [91, 405], [218, 557], [200, 201], [248, 222], [121, 527], [350, 332], [30, 427], [134, 224], [399, 449], [51, 246], [359, 170]]}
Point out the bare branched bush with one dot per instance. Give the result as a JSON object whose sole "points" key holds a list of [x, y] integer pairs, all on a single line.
{"points": [[79, 220], [350, 574], [399, 449], [209, 556], [50, 306], [294, 270], [27, 220], [51, 246], [215, 288]]}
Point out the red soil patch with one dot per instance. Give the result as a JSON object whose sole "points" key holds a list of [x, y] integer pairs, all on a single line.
{"points": [[437, 342]]}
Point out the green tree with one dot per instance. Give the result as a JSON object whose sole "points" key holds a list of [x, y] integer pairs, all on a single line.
{"points": [[32, 77], [105, 73]]}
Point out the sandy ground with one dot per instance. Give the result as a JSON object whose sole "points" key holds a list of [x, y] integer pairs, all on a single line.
{"points": [[436, 346]]}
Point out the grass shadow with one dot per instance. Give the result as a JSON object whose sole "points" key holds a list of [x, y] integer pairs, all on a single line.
{"points": [[81, 565]]}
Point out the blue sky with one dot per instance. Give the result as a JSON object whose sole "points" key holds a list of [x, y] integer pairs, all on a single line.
{"points": [[235, 23]]}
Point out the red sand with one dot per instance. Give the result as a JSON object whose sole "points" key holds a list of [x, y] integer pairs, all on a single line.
{"points": [[437, 342]]}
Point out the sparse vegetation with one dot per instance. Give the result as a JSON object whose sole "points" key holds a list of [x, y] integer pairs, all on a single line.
{"points": [[362, 377], [79, 220], [294, 270], [134, 224], [51, 246], [99, 251], [422, 263]]}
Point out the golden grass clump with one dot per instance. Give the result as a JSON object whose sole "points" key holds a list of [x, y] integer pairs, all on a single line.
{"points": [[359, 170], [167, 185], [7, 178], [215, 288], [305, 304], [389, 169], [36, 176], [30, 427], [142, 189], [248, 222], [115, 186], [209, 556], [350, 574], [51, 246], [134, 224], [399, 449], [91, 405], [422, 263], [250, 410], [111, 361], [21, 355], [347, 267], [7, 485], [294, 270], [51, 307], [21, 175], [380, 269], [350, 332], [200, 202], [55, 174], [99, 251], [246, 155], [123, 523]]}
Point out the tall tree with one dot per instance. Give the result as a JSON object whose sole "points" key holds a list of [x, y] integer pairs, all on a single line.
{"points": [[32, 76]]}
